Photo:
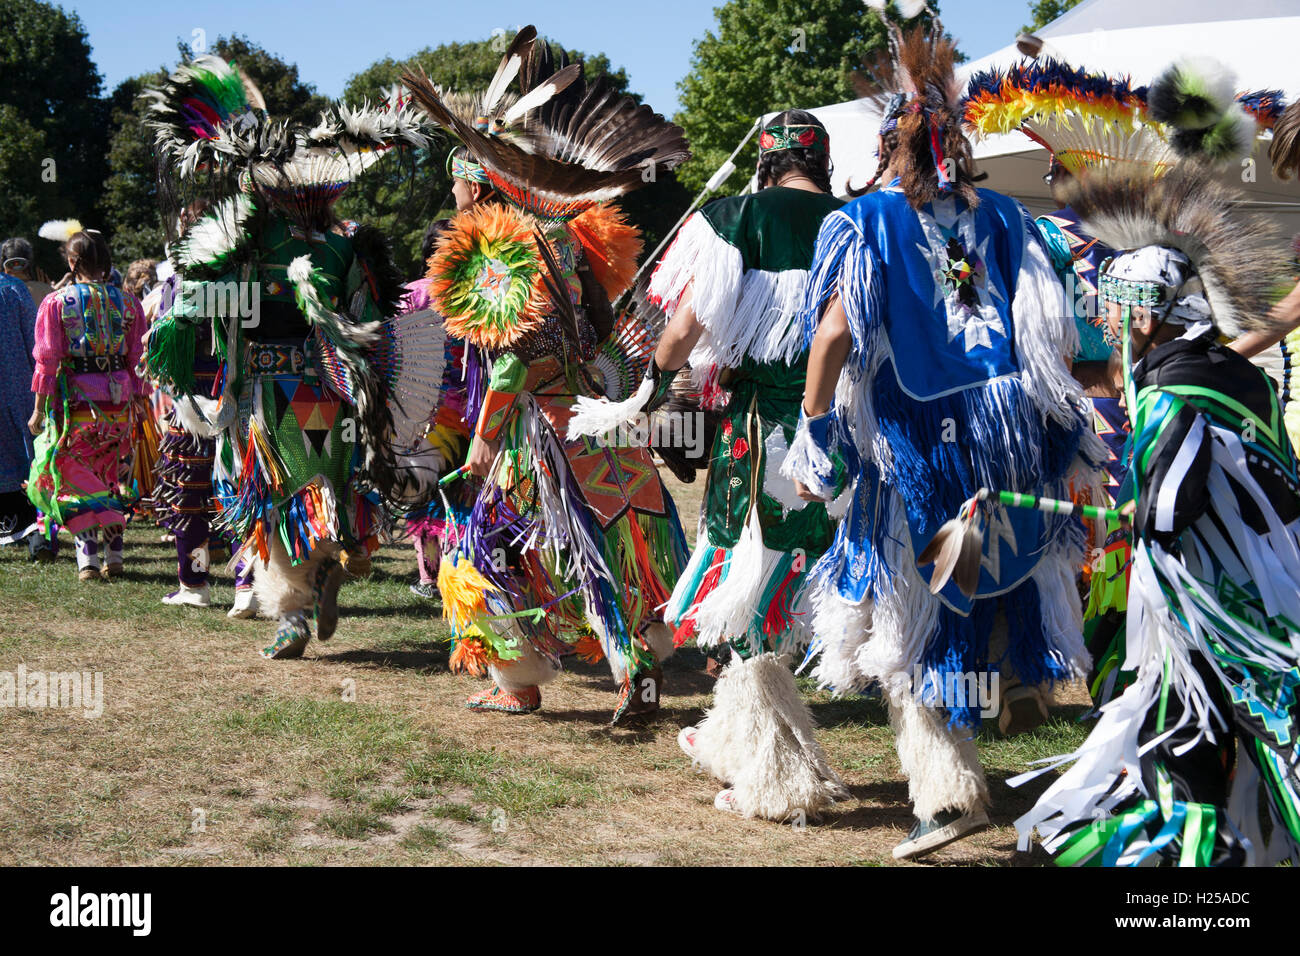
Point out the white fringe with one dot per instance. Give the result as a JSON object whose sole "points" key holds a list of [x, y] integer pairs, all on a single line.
{"points": [[729, 610], [775, 482], [898, 624], [600, 416], [752, 312], [759, 737], [807, 463], [842, 630], [1047, 338]]}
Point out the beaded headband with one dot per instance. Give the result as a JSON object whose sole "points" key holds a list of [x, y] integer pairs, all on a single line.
{"points": [[465, 169], [804, 136], [1130, 292]]}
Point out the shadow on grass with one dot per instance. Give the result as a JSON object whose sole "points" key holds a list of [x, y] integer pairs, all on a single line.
{"points": [[416, 612], [637, 729], [434, 659]]}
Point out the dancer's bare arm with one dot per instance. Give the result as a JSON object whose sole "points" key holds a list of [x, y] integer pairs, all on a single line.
{"points": [[830, 348], [680, 335], [1285, 314]]}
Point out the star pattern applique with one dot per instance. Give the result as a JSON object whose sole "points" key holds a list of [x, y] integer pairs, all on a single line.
{"points": [[956, 269], [494, 280], [999, 530]]}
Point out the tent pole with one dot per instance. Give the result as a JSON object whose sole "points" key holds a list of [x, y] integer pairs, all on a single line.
{"points": [[708, 188]]}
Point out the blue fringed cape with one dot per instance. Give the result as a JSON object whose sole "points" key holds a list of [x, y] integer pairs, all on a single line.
{"points": [[955, 317]]}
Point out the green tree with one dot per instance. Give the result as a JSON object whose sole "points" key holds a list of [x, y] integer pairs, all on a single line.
{"points": [[1045, 11], [20, 178], [401, 195], [763, 56], [131, 203], [53, 134]]}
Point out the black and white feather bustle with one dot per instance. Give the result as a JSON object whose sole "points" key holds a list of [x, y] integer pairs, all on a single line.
{"points": [[582, 142], [1195, 98]]}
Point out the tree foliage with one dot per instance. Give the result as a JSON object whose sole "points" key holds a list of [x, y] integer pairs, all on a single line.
{"points": [[1045, 11], [763, 56], [53, 121]]}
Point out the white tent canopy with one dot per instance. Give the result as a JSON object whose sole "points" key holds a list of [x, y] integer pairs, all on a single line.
{"points": [[1255, 38]]}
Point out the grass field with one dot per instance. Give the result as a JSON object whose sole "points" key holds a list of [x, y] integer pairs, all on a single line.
{"points": [[362, 751]]}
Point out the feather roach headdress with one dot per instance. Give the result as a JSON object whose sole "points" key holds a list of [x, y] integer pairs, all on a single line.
{"points": [[1085, 119], [212, 133], [564, 144], [194, 111], [932, 158], [1238, 261]]}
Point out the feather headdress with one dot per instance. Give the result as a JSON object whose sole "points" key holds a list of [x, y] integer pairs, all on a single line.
{"points": [[212, 134], [1238, 260], [1085, 119], [565, 144], [195, 107], [496, 109], [59, 230], [1195, 97], [914, 83]]}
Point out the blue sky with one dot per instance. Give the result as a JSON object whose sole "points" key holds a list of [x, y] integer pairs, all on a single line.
{"points": [[330, 40]]}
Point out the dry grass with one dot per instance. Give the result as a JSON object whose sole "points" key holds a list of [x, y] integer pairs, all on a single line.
{"points": [[205, 753]]}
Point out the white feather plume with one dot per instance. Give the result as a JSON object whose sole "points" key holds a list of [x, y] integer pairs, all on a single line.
{"points": [[60, 230]]}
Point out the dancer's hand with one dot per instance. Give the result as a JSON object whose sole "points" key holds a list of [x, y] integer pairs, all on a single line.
{"points": [[36, 423], [481, 456], [802, 490]]}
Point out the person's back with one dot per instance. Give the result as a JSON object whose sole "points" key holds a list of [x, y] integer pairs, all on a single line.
{"points": [[17, 329], [939, 336], [1212, 387], [38, 289]]}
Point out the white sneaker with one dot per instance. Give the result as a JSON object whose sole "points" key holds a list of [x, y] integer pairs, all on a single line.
{"points": [[686, 740], [245, 604], [725, 800], [191, 597], [947, 826]]}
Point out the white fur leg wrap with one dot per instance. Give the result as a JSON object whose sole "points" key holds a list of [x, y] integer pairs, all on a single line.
{"points": [[943, 772], [281, 587], [759, 737]]}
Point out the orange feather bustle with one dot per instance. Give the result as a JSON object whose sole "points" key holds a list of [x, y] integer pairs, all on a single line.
{"points": [[612, 244], [485, 230], [589, 650]]}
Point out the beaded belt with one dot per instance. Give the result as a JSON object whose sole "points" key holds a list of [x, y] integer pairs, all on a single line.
{"points": [[84, 365], [273, 358]]}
